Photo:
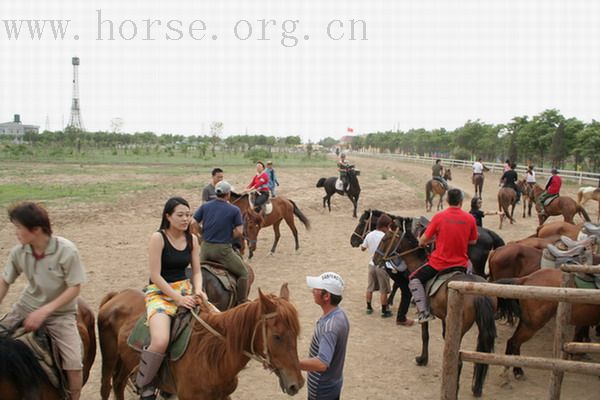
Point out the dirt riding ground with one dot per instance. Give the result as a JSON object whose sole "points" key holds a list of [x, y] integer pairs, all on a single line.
{"points": [[113, 239]]}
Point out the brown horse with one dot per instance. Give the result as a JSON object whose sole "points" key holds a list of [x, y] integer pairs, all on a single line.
{"points": [[563, 205], [536, 242], [506, 197], [534, 314], [526, 196], [513, 260], [558, 228], [478, 180], [283, 210], [22, 377], [266, 328], [435, 188], [584, 194], [401, 242]]}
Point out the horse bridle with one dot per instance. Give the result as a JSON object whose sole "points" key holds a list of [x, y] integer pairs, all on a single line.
{"points": [[366, 228], [253, 354], [386, 255]]}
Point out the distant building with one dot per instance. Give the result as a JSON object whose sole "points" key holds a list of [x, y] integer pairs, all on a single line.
{"points": [[16, 128]]}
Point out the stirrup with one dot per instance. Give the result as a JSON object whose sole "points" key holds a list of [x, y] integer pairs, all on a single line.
{"points": [[425, 316]]}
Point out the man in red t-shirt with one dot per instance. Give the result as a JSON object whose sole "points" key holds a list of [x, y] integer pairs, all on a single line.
{"points": [[453, 231], [552, 189]]}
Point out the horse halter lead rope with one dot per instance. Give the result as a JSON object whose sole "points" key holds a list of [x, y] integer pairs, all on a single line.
{"points": [[266, 359]]}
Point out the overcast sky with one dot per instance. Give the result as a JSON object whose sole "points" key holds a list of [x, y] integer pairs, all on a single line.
{"points": [[424, 64]]}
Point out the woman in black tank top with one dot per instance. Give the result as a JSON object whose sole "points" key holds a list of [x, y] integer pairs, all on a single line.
{"points": [[171, 250]]}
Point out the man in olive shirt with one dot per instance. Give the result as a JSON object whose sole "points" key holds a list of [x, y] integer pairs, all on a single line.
{"points": [[55, 274], [208, 193], [437, 173]]}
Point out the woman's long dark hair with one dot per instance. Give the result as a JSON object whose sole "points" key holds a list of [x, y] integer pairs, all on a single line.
{"points": [[169, 208]]}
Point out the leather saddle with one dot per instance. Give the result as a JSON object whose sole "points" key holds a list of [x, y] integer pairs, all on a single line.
{"points": [[434, 284], [266, 208], [591, 229], [227, 280]]}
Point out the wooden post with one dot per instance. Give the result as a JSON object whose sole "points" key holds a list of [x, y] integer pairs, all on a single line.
{"points": [[563, 317], [452, 345]]}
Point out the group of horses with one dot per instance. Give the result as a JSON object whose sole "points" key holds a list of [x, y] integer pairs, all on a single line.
{"points": [[513, 263]]}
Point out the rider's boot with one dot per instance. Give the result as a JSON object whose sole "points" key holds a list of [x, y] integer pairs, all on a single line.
{"points": [[150, 363], [420, 297], [242, 290]]}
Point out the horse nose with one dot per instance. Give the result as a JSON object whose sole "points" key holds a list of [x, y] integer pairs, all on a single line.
{"points": [[293, 389]]}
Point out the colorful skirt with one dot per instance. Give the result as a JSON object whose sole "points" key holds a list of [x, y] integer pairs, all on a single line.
{"points": [[158, 302]]}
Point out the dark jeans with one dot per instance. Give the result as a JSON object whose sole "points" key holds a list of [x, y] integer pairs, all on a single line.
{"points": [[261, 198], [401, 280], [424, 273]]}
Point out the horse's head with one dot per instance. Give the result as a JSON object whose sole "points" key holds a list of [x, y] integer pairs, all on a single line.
{"points": [[448, 174], [252, 224], [397, 242], [280, 339], [365, 225]]}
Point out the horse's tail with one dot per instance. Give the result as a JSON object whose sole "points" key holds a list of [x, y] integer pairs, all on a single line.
{"points": [[504, 206], [428, 195], [583, 213], [580, 196], [300, 215], [484, 318], [321, 182], [20, 368], [509, 309]]}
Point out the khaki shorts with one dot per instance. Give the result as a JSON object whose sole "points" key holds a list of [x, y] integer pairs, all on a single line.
{"points": [[378, 280], [61, 328]]}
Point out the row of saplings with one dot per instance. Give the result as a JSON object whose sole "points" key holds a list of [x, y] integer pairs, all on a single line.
{"points": [[534, 261]]}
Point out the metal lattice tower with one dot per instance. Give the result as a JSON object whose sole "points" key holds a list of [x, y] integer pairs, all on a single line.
{"points": [[75, 122]]}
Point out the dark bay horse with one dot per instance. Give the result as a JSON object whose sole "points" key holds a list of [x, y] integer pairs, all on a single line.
{"points": [[478, 180], [507, 197], [353, 191], [208, 370], [534, 314], [22, 377], [435, 188], [366, 223], [477, 309], [563, 205], [526, 196], [283, 210]]}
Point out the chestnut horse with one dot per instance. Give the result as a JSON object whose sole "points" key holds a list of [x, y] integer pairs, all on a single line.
{"points": [[526, 196], [534, 314], [513, 260], [266, 328], [478, 180], [563, 205], [402, 242], [506, 197], [584, 194], [283, 210], [22, 377], [434, 187], [558, 228]]}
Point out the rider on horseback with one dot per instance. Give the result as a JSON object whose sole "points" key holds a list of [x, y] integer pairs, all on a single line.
{"points": [[343, 167], [437, 173], [478, 168], [55, 274], [552, 189], [259, 183], [509, 180], [221, 222], [453, 231]]}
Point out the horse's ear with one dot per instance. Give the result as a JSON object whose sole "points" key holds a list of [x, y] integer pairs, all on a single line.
{"points": [[266, 305], [284, 292]]}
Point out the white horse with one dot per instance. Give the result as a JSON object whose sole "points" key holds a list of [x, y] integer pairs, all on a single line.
{"points": [[589, 193]]}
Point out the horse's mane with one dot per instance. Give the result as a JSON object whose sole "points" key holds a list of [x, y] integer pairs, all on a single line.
{"points": [[19, 366], [254, 216], [238, 324]]}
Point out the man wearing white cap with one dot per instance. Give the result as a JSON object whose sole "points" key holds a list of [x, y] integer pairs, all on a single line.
{"points": [[328, 346]]}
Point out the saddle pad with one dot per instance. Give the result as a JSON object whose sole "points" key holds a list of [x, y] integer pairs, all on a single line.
{"points": [[139, 337], [549, 200], [584, 283], [433, 285], [268, 208], [47, 355], [339, 184]]}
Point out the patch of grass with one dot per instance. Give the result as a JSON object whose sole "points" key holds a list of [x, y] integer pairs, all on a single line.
{"points": [[89, 192]]}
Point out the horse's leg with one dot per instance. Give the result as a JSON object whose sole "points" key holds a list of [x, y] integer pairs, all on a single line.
{"points": [[289, 220], [355, 204], [110, 356], [324, 201], [423, 359], [121, 374], [513, 346], [278, 235]]}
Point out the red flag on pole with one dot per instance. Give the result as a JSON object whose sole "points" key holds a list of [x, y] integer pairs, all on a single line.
{"points": [[350, 130]]}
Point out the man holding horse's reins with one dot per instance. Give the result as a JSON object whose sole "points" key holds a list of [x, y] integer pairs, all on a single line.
{"points": [[221, 222], [437, 173], [343, 167], [453, 231], [552, 189], [55, 274], [509, 180]]}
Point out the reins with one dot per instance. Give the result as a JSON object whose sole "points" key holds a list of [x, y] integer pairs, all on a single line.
{"points": [[266, 359], [366, 228]]}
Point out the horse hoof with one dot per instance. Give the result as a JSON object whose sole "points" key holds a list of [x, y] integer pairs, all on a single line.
{"points": [[519, 374], [271, 254], [421, 361]]}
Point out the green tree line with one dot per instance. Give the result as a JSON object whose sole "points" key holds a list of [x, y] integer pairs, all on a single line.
{"points": [[546, 139]]}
